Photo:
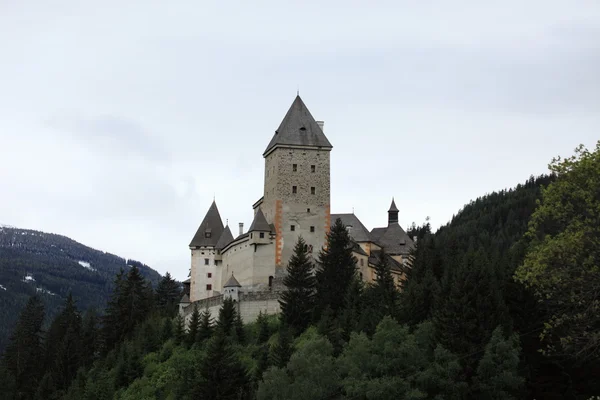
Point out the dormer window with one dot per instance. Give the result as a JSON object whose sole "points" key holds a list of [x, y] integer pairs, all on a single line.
{"points": [[302, 128], [207, 233]]}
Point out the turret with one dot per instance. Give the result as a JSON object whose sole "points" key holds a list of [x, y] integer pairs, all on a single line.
{"points": [[260, 230], [231, 289], [393, 213]]}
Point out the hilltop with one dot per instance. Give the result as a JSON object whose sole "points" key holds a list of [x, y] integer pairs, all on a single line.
{"points": [[53, 265]]}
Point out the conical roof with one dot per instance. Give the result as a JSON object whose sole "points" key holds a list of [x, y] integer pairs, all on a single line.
{"points": [[210, 229], [260, 222], [298, 128], [225, 239], [393, 207], [232, 282]]}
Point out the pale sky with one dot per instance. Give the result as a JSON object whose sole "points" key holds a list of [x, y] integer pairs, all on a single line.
{"points": [[119, 120]]}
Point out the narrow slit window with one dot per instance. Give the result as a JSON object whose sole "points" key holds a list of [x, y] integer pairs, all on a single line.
{"points": [[294, 189], [312, 190], [294, 167], [313, 168]]}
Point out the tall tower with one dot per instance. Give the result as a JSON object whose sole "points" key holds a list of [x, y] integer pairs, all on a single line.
{"points": [[297, 182]]}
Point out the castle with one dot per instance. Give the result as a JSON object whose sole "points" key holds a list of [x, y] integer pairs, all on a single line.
{"points": [[296, 202]]}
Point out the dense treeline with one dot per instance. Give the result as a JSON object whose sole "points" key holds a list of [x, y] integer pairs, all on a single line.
{"points": [[52, 264], [477, 318]]}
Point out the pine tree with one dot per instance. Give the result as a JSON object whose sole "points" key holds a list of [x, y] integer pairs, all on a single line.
{"points": [[221, 375], [206, 328], [24, 353], [166, 331], [227, 313], [384, 288], [297, 301], [168, 294], [497, 374], [178, 329], [336, 270], [263, 328], [89, 338], [239, 329], [190, 337], [282, 350]]}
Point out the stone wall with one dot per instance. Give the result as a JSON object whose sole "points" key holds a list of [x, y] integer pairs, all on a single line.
{"points": [[199, 273]]}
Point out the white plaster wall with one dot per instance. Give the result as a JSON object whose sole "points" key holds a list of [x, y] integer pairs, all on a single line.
{"points": [[199, 273], [249, 267]]}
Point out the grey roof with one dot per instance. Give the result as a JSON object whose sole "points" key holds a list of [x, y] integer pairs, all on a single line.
{"points": [[232, 282], [393, 239], [298, 128], [394, 265], [393, 206], [260, 222], [358, 232], [357, 249], [188, 280], [185, 299], [225, 239], [211, 223]]}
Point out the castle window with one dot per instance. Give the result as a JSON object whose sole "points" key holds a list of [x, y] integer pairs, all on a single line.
{"points": [[250, 236], [362, 262], [206, 261], [312, 229], [294, 167], [294, 189], [293, 228], [313, 168], [262, 235], [270, 281], [209, 275], [207, 233], [361, 275], [310, 248], [208, 287], [308, 210], [312, 190]]}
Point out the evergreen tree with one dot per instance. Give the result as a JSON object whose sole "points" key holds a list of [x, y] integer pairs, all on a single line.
{"points": [[166, 331], [239, 329], [206, 328], [297, 300], [64, 347], [168, 294], [227, 313], [24, 353], [283, 349], [192, 332], [263, 328], [497, 374], [336, 270], [89, 338], [178, 329], [221, 375], [384, 288], [470, 307]]}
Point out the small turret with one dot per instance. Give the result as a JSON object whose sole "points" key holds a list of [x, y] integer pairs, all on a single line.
{"points": [[393, 213], [231, 289], [260, 230]]}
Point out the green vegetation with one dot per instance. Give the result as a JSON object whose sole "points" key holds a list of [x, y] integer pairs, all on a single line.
{"points": [[501, 303]]}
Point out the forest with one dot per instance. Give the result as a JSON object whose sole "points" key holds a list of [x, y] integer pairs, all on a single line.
{"points": [[500, 303]]}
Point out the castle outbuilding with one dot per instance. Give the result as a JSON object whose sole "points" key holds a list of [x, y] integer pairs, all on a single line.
{"points": [[295, 202]]}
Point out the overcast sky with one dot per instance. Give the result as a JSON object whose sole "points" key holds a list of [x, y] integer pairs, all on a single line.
{"points": [[119, 120]]}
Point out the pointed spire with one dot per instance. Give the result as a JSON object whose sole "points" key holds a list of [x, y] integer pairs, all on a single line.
{"points": [[225, 239], [298, 128], [232, 282], [393, 213], [210, 229], [260, 222]]}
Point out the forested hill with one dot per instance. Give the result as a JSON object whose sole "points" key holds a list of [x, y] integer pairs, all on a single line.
{"points": [[52, 266]]}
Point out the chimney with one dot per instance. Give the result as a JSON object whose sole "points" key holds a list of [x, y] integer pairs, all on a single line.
{"points": [[321, 123], [241, 228]]}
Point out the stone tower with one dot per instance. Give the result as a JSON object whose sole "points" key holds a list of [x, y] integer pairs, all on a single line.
{"points": [[297, 183]]}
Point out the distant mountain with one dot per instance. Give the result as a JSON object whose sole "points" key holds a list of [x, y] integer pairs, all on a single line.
{"points": [[52, 266]]}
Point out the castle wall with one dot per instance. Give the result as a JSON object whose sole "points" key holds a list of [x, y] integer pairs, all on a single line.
{"points": [[199, 273], [302, 209], [251, 266]]}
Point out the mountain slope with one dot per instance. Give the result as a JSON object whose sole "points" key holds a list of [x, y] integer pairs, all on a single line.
{"points": [[52, 266]]}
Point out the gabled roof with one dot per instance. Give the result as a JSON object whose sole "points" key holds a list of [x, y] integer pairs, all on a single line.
{"points": [[232, 282], [211, 224], [358, 232], [393, 207], [393, 239], [260, 222], [298, 128], [394, 265], [225, 239]]}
